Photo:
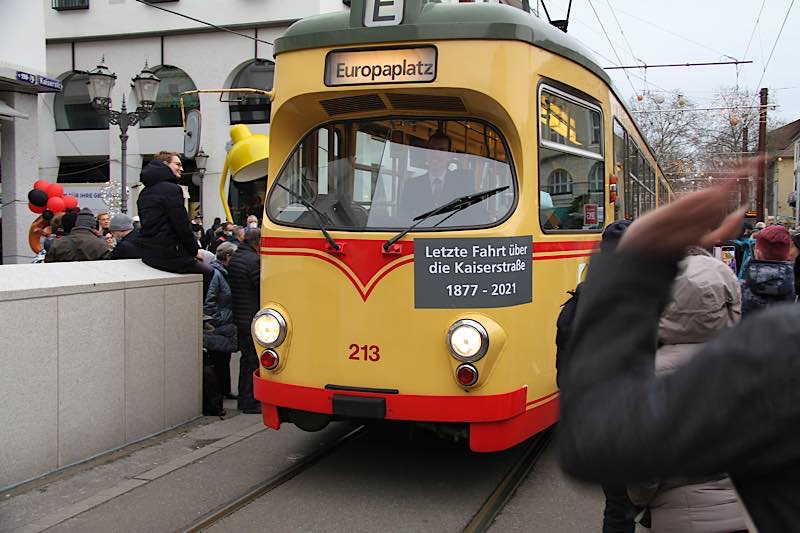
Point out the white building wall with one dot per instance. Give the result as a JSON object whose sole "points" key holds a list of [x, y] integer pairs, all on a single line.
{"points": [[120, 17], [22, 35], [21, 49], [135, 33]]}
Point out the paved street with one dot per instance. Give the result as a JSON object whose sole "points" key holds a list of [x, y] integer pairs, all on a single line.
{"points": [[379, 481]]}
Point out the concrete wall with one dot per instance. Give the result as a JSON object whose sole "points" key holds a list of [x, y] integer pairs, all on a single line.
{"points": [[93, 356]]}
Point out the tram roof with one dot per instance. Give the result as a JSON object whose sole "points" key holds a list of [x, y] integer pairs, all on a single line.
{"points": [[436, 21], [432, 21]]}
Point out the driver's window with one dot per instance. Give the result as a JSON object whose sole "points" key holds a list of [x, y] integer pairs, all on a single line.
{"points": [[382, 174]]}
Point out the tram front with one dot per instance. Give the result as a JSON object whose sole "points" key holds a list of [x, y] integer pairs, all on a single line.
{"points": [[396, 262]]}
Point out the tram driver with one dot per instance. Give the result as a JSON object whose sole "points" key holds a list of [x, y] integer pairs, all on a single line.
{"points": [[438, 185]]}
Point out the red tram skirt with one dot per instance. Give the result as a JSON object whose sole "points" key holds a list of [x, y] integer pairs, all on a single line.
{"points": [[496, 422]]}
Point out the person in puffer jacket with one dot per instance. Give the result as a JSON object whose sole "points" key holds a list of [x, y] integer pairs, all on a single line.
{"points": [[166, 241], [705, 300], [769, 278], [223, 338]]}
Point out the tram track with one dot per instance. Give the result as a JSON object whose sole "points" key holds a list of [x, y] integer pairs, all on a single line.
{"points": [[484, 517], [480, 521], [273, 482]]}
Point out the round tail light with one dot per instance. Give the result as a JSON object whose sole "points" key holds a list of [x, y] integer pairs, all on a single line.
{"points": [[467, 375], [269, 359]]}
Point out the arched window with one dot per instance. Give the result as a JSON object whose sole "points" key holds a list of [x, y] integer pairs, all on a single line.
{"points": [[72, 108], [560, 182], [252, 108], [596, 178], [167, 112]]}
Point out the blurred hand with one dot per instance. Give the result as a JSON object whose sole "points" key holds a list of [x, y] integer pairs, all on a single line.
{"points": [[700, 218]]}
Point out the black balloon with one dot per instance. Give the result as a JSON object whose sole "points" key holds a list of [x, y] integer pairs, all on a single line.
{"points": [[47, 215], [37, 197]]}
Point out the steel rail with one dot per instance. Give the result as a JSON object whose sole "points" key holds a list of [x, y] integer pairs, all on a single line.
{"points": [[483, 519], [272, 483]]}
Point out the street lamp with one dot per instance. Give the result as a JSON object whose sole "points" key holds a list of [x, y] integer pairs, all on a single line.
{"points": [[200, 160], [145, 86]]}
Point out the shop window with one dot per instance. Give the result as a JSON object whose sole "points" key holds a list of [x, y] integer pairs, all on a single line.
{"points": [[72, 107], [167, 112], [93, 169], [252, 108]]}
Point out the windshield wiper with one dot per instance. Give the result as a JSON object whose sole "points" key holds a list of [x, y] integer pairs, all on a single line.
{"points": [[455, 205], [317, 214]]}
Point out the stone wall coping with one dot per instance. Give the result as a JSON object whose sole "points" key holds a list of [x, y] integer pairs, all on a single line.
{"points": [[27, 281]]}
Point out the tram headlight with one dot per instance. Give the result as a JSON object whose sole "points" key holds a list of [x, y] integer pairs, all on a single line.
{"points": [[268, 328], [467, 340]]}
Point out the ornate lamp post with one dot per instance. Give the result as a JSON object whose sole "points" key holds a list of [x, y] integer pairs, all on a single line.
{"points": [[145, 85], [201, 159]]}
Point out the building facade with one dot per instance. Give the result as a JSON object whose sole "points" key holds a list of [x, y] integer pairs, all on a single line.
{"points": [[79, 149], [780, 172], [23, 76]]}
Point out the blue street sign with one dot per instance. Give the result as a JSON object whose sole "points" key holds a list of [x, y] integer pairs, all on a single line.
{"points": [[24, 76], [50, 83]]}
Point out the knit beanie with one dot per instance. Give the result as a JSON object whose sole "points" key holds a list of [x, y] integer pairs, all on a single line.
{"points": [[612, 235], [85, 219], [68, 221], [773, 242], [121, 222]]}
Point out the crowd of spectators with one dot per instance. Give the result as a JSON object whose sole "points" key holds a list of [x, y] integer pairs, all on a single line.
{"points": [[163, 237]]}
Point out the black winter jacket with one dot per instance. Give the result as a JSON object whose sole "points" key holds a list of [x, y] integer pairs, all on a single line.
{"points": [[766, 283], [166, 231], [244, 272], [219, 306], [734, 408], [127, 247]]}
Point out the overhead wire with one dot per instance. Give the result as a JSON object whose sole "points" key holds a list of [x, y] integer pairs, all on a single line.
{"points": [[775, 44], [624, 36], [613, 49], [755, 26], [666, 30], [221, 28], [609, 60]]}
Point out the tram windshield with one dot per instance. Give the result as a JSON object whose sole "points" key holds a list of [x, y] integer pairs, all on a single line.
{"points": [[381, 174]]}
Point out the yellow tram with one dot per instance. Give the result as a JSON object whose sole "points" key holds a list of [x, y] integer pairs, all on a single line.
{"points": [[440, 174]]}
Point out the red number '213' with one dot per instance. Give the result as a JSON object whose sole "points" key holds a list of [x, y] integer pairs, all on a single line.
{"points": [[365, 352]]}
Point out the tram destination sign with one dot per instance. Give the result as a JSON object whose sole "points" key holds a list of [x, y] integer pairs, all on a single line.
{"points": [[385, 65], [464, 273]]}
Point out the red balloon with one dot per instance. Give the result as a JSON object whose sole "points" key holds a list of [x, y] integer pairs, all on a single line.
{"points": [[55, 204], [54, 190], [36, 209], [70, 201], [42, 185]]}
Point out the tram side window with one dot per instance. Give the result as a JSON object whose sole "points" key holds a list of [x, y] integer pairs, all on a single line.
{"points": [[662, 193], [633, 184], [571, 166], [619, 171]]}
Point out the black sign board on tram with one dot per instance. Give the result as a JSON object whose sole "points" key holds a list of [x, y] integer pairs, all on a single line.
{"points": [[472, 272]]}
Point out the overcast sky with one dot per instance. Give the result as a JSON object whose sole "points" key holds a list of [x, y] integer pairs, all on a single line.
{"points": [[680, 31]]}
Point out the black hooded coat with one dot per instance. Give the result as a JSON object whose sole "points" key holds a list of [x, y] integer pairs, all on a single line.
{"points": [[166, 240], [735, 407], [766, 283]]}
